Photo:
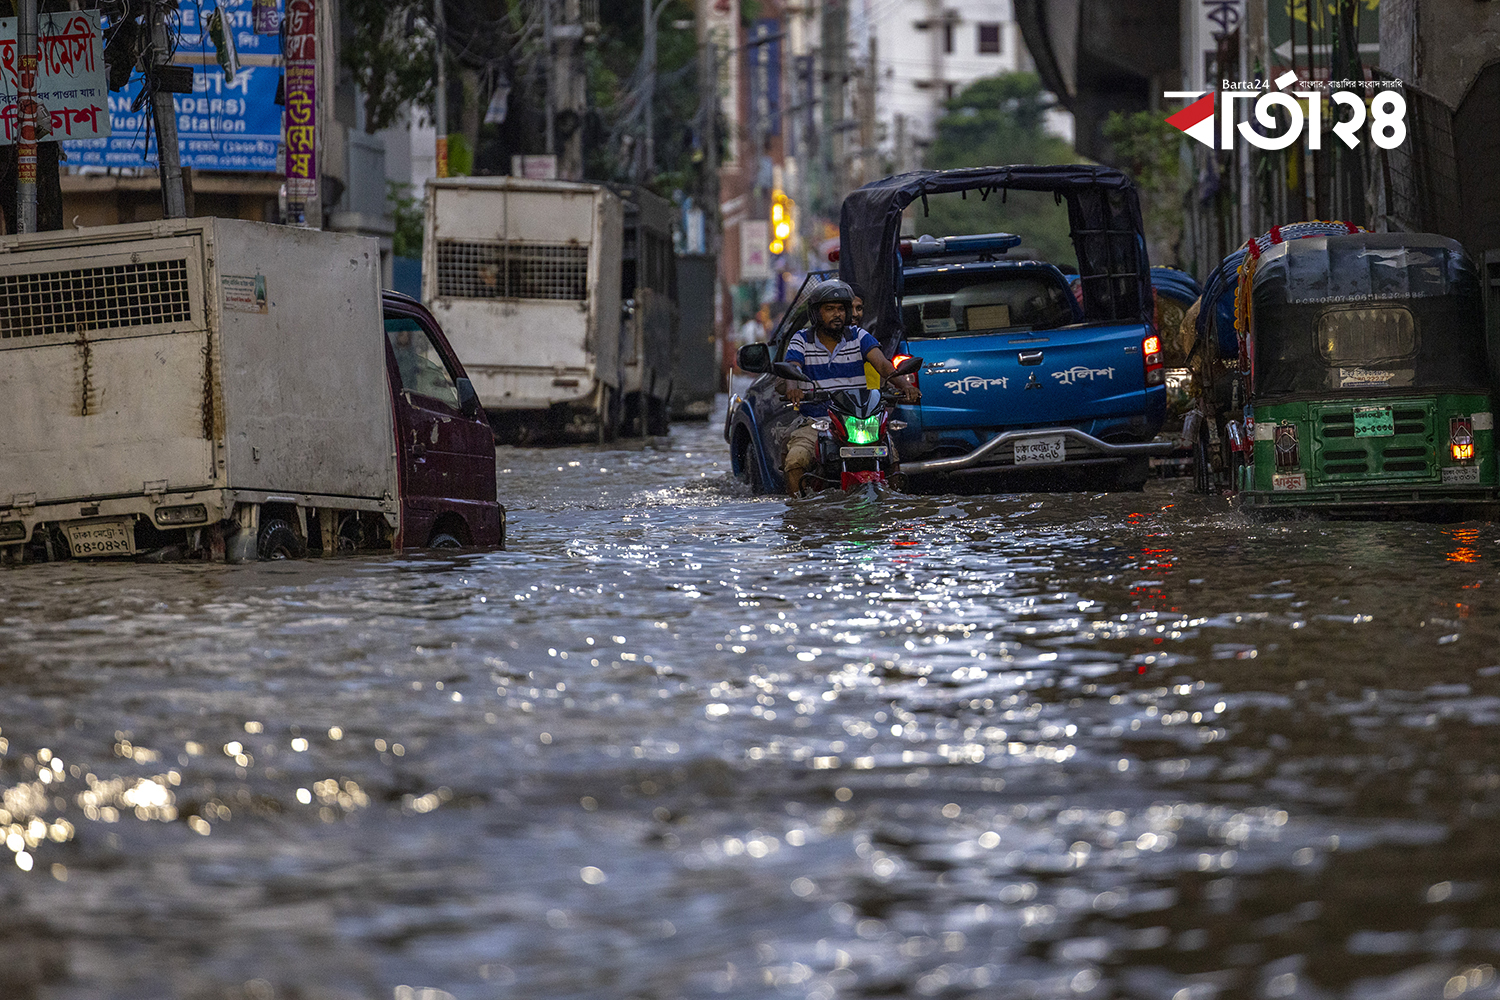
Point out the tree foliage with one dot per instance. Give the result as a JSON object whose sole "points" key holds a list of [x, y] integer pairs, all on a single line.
{"points": [[1150, 150], [391, 55], [500, 43], [997, 121]]}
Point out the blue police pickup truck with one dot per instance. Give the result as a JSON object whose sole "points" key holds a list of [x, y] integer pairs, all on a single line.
{"points": [[1020, 376]]}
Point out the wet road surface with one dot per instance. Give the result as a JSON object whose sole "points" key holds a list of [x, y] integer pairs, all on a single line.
{"points": [[680, 741]]}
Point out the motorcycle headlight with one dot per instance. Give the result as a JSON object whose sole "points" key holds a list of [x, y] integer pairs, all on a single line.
{"points": [[862, 430]]}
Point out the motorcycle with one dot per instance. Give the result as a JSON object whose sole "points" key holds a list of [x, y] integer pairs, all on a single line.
{"points": [[854, 439]]}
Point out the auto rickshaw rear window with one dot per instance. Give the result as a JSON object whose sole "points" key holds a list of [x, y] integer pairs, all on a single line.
{"points": [[1366, 336]]}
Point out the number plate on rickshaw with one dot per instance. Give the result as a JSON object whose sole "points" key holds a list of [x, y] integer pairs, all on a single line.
{"points": [[102, 538], [870, 451], [1040, 451], [1374, 422]]}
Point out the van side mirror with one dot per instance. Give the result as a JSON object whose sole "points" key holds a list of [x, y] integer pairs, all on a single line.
{"points": [[754, 358], [468, 399]]}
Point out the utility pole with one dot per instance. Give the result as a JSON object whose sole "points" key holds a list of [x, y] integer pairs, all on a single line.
{"points": [[708, 88], [164, 107], [567, 86], [440, 104], [26, 36], [550, 98], [648, 155], [868, 90], [835, 79]]}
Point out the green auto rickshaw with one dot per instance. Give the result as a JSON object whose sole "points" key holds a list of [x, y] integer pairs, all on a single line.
{"points": [[1368, 387]]}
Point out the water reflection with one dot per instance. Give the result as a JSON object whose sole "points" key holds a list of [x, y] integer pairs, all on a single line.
{"points": [[684, 741]]}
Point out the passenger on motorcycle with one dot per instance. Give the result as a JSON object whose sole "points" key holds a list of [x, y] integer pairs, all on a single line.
{"points": [[832, 354]]}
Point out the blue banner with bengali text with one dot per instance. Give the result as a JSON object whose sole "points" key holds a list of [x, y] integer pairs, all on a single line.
{"points": [[221, 125]]}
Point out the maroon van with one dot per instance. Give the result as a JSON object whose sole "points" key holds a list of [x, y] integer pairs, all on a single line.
{"points": [[446, 450]]}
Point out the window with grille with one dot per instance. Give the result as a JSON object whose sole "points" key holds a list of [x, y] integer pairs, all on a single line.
{"points": [[143, 293], [475, 270]]}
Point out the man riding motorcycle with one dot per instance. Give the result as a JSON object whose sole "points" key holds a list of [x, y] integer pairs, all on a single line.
{"points": [[832, 355]]}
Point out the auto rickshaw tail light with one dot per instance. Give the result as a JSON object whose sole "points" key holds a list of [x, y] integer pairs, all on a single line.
{"points": [[1284, 440], [1461, 439], [1151, 351]]}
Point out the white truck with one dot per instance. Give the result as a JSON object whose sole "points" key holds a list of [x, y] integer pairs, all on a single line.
{"points": [[524, 275], [221, 389], [649, 290]]}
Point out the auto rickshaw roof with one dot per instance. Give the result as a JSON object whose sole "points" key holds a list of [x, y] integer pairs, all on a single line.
{"points": [[1363, 267]]}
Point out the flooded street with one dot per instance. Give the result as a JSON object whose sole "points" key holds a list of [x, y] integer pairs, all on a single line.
{"points": [[681, 742]]}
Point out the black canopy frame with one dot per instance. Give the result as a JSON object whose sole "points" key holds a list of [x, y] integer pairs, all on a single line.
{"points": [[1104, 215]]}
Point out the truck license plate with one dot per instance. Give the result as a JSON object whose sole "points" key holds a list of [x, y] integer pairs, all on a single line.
{"points": [[1461, 474], [870, 451], [1374, 421], [102, 538], [1040, 451]]}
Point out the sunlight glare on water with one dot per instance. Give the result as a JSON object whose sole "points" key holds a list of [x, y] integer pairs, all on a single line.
{"points": [[682, 741]]}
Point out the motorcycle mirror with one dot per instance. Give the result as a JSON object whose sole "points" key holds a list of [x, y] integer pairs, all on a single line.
{"points": [[790, 371], [908, 366]]}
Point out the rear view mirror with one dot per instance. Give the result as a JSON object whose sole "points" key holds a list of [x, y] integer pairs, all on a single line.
{"points": [[908, 366], [755, 358], [790, 371], [468, 399]]}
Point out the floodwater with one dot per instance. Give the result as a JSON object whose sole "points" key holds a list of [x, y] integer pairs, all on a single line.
{"points": [[682, 742]]}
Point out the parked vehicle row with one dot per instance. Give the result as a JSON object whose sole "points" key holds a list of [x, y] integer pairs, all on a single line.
{"points": [[220, 389], [1320, 367]]}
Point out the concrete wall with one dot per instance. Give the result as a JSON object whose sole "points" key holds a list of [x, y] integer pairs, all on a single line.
{"points": [[1439, 45]]}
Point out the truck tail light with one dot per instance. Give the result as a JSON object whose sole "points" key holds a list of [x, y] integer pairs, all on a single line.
{"points": [[1461, 439], [192, 513], [1285, 444], [1151, 351]]}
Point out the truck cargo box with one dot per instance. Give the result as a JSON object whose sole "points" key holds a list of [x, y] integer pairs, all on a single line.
{"points": [[195, 372]]}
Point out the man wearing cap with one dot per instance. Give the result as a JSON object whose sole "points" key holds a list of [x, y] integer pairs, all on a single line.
{"points": [[833, 354]]}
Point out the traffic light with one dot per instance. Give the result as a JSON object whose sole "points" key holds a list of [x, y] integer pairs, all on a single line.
{"points": [[781, 221]]}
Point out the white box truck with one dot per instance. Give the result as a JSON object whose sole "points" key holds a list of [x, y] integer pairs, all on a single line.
{"points": [[226, 389], [524, 276]]}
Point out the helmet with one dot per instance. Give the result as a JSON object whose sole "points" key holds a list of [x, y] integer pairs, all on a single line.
{"points": [[831, 291]]}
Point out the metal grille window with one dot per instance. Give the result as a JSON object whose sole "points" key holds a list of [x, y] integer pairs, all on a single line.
{"points": [[146, 293], [473, 270]]}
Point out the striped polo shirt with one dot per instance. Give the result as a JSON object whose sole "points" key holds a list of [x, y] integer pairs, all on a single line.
{"points": [[841, 368]]}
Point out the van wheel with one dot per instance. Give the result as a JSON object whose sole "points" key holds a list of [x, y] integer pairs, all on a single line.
{"points": [[278, 540], [752, 468], [443, 540]]}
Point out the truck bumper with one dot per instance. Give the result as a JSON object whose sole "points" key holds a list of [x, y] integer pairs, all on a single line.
{"points": [[168, 511], [1366, 499], [988, 458]]}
